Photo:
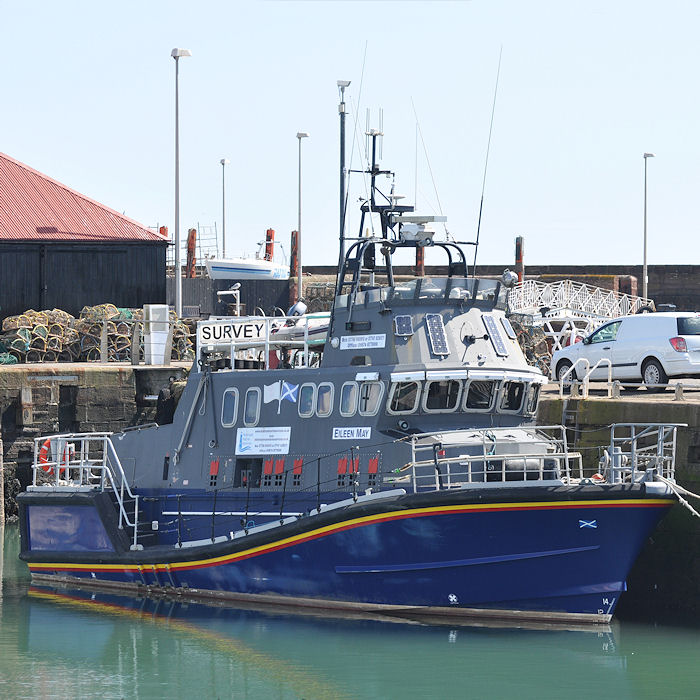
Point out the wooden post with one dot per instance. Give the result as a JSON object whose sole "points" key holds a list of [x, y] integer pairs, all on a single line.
{"points": [[420, 261], [293, 269], [519, 255], [270, 244]]}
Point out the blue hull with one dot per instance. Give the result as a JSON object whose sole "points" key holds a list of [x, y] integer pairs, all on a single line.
{"points": [[557, 551]]}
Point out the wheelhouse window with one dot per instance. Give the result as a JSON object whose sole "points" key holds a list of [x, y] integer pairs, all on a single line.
{"points": [[348, 399], [229, 408], [324, 400], [533, 394], [442, 396], [251, 410], [512, 396], [307, 400], [404, 397], [370, 396], [480, 395]]}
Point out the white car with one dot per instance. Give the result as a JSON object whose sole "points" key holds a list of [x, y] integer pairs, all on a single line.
{"points": [[649, 347]]}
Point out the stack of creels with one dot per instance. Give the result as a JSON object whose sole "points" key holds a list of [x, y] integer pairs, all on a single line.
{"points": [[533, 342], [41, 336], [183, 348], [56, 336], [115, 322]]}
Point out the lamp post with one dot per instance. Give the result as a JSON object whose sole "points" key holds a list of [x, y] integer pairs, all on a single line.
{"points": [[177, 54], [645, 276], [300, 135], [224, 162], [342, 84]]}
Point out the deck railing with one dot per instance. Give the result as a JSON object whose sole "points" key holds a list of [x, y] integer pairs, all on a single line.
{"points": [[640, 451], [488, 458]]}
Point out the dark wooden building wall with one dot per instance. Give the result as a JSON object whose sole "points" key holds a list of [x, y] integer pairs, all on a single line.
{"points": [[69, 276], [201, 292]]}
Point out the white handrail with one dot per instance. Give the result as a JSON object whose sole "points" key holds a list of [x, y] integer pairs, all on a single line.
{"points": [[585, 300], [74, 468]]}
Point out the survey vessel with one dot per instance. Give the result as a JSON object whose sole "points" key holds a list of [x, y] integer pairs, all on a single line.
{"points": [[391, 465]]}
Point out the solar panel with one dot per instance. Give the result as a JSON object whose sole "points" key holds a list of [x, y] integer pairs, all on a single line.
{"points": [[403, 325], [509, 329], [436, 333], [495, 335]]}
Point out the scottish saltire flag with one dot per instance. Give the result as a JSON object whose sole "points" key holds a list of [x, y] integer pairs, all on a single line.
{"points": [[271, 392], [289, 392]]}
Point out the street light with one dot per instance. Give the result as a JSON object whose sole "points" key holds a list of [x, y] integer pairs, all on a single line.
{"points": [[300, 135], [176, 54], [645, 276], [342, 84], [224, 162]]}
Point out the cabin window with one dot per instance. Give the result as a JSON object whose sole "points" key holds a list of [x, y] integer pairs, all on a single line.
{"points": [[442, 395], [348, 399], [480, 395], [512, 396], [251, 411], [370, 396], [324, 400], [307, 399], [404, 397], [229, 407], [533, 393]]}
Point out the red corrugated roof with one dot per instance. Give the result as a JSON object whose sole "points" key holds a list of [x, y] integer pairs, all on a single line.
{"points": [[35, 207]]}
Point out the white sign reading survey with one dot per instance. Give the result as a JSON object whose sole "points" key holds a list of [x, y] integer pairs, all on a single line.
{"points": [[361, 342], [263, 441], [352, 433], [227, 332]]}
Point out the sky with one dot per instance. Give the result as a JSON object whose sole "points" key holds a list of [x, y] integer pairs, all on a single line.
{"points": [[585, 88]]}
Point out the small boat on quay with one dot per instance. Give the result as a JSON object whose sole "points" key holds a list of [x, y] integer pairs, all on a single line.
{"points": [[393, 468], [257, 268]]}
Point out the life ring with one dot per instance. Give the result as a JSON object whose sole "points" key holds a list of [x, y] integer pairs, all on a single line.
{"points": [[44, 457]]}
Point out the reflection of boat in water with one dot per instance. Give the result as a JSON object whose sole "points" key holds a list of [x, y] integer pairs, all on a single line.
{"points": [[245, 269], [396, 469], [313, 657]]}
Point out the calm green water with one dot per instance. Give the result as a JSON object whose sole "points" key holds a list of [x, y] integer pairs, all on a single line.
{"points": [[67, 644]]}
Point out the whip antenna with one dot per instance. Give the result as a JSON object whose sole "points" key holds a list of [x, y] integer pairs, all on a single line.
{"points": [[486, 164]]}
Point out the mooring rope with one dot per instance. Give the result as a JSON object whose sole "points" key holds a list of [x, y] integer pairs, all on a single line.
{"points": [[678, 490]]}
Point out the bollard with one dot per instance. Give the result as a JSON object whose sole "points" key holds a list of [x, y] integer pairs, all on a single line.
{"points": [[575, 393], [615, 393], [678, 395]]}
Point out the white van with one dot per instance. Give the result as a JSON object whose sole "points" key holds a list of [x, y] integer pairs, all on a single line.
{"points": [[648, 347]]}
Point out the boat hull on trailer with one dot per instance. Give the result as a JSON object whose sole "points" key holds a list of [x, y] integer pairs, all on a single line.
{"points": [[245, 269], [538, 552]]}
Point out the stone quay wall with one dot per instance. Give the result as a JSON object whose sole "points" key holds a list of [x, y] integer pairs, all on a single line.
{"points": [[41, 399]]}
